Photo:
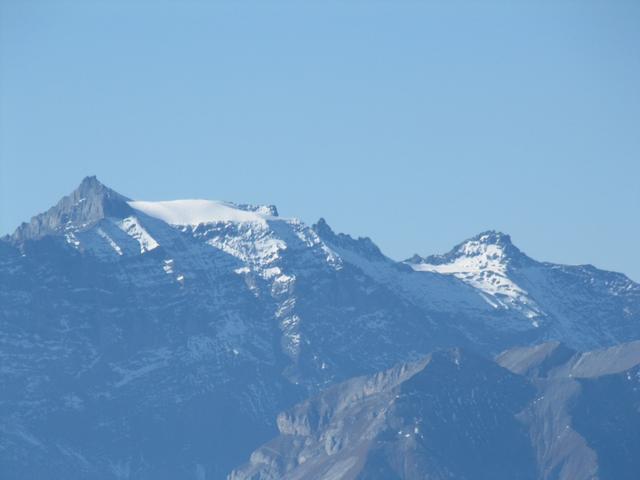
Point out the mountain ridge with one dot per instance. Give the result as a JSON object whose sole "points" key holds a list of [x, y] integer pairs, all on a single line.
{"points": [[102, 201], [148, 317], [453, 414]]}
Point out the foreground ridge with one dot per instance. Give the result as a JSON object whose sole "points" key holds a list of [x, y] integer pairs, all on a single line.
{"points": [[526, 415]]}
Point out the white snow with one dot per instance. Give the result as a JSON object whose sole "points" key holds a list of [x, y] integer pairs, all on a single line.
{"points": [[71, 239], [271, 272], [168, 266], [195, 212], [131, 375], [132, 227], [256, 246], [110, 240], [484, 266]]}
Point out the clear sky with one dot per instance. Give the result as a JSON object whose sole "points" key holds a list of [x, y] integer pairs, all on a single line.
{"points": [[418, 124]]}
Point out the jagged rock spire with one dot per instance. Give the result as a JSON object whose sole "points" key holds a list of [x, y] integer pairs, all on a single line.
{"points": [[87, 204]]}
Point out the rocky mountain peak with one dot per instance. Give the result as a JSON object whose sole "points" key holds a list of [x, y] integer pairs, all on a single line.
{"points": [[87, 204]]}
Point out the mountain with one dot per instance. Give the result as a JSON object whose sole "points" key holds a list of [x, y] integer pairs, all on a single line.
{"points": [[160, 339], [545, 412], [581, 305], [88, 204]]}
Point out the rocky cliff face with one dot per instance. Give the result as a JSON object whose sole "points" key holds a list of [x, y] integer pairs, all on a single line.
{"points": [[161, 339], [544, 412], [88, 204]]}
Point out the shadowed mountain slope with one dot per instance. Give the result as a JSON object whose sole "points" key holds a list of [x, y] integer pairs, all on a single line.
{"points": [[551, 413]]}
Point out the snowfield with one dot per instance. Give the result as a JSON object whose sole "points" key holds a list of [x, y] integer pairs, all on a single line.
{"points": [[196, 212]]}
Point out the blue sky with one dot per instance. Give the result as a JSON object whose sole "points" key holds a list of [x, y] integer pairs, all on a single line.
{"points": [[418, 124]]}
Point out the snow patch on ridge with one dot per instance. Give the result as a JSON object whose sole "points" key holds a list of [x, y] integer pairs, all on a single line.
{"points": [[132, 227], [196, 212]]}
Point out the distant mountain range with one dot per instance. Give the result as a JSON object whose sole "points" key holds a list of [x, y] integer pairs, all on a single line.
{"points": [[163, 339]]}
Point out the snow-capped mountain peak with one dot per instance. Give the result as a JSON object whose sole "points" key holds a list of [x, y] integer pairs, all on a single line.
{"points": [[487, 251], [94, 207], [485, 262], [491, 245]]}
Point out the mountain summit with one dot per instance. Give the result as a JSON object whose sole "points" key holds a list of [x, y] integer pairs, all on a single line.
{"points": [[486, 262], [87, 204], [487, 247], [510, 280]]}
